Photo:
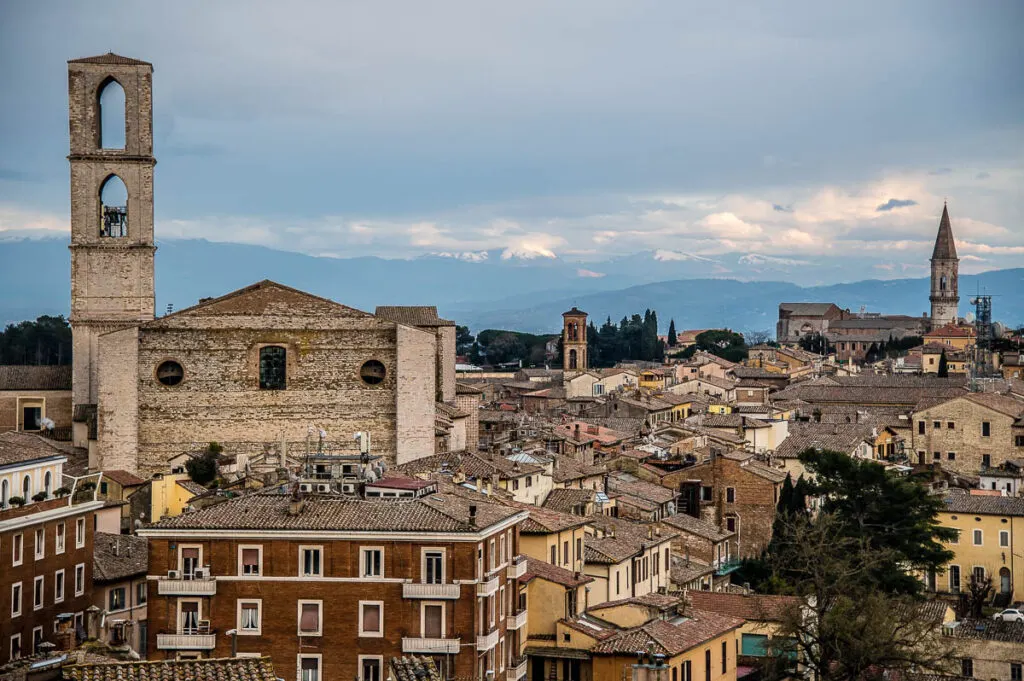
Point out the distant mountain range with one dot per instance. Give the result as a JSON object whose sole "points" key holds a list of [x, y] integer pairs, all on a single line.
{"points": [[491, 292]]}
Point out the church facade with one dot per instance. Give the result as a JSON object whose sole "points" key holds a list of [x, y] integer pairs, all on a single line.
{"points": [[257, 369]]}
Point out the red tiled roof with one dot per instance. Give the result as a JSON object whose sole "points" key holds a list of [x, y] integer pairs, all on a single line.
{"points": [[124, 478], [751, 607], [552, 573], [670, 639]]}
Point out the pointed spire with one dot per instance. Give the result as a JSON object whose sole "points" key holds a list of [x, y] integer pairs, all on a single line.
{"points": [[945, 249]]}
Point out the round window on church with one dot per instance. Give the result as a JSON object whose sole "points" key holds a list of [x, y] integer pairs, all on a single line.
{"points": [[170, 373], [372, 372]]}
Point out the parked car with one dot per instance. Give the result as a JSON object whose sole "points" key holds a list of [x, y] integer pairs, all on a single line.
{"points": [[1010, 615]]}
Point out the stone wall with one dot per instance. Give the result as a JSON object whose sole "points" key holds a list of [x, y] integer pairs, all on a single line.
{"points": [[118, 408], [470, 403], [57, 407], [964, 439], [416, 390]]}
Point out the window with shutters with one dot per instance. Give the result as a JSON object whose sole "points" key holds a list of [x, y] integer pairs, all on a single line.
{"points": [[308, 668], [310, 618], [371, 563], [370, 667], [273, 363], [433, 620], [250, 560], [117, 599], [371, 618], [433, 567], [249, 617], [310, 561]]}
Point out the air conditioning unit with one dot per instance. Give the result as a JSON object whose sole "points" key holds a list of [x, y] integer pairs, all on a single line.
{"points": [[200, 573], [305, 487], [323, 487], [173, 574], [348, 488]]}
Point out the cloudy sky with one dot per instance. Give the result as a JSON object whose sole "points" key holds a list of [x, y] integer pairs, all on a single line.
{"points": [[584, 130]]}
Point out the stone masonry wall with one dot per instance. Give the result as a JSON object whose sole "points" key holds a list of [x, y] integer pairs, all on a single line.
{"points": [[416, 390]]}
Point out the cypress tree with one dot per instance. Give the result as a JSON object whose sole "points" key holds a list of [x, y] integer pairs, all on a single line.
{"points": [[672, 333]]}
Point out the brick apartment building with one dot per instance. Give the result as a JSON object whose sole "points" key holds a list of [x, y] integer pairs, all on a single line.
{"points": [[333, 586], [46, 546]]}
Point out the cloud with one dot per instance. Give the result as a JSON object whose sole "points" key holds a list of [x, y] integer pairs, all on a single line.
{"points": [[782, 209], [533, 245], [982, 175], [941, 171], [467, 256], [589, 274], [895, 203]]}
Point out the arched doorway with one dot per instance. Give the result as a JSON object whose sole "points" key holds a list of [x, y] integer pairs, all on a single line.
{"points": [[1005, 586]]}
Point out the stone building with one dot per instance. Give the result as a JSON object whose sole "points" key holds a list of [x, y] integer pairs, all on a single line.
{"points": [[945, 296], [797, 320], [30, 396], [336, 585], [255, 369], [969, 434], [574, 341]]}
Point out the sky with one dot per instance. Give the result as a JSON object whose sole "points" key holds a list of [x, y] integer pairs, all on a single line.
{"points": [[580, 130]]}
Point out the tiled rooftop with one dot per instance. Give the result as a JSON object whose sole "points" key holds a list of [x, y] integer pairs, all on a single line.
{"points": [[752, 607], [669, 639], [552, 573], [22, 377], [216, 669], [17, 447], [119, 556]]}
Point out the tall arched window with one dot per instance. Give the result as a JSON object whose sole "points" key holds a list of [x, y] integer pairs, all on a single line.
{"points": [[5, 493], [26, 488], [273, 367], [47, 479], [114, 208], [572, 359], [942, 283], [111, 104]]}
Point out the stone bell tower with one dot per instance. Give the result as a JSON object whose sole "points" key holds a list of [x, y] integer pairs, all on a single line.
{"points": [[112, 244], [945, 296], [574, 341]]}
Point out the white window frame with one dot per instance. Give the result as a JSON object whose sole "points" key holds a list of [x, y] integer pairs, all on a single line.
{"points": [[502, 550], [319, 665], [960, 579], [18, 542], [380, 660], [371, 634], [1004, 534], [39, 543], [259, 617], [199, 560], [58, 594], [501, 654], [80, 533], [319, 618], [363, 550], [21, 651], [80, 566], [423, 617], [60, 537], [17, 605], [978, 537], [41, 639], [41, 581], [302, 563], [423, 563], [241, 566]]}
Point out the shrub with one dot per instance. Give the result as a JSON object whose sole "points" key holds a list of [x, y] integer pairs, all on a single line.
{"points": [[17, 501], [40, 496]]}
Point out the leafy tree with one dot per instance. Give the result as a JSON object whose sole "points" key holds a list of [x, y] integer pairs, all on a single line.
{"points": [[943, 365], [840, 627], [47, 340], [723, 343], [672, 333], [978, 592], [814, 342], [463, 340], [202, 469]]}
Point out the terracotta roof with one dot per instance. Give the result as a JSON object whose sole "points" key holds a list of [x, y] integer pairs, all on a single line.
{"points": [[215, 669], [22, 377], [17, 448], [552, 573], [630, 538], [683, 572], [952, 331], [548, 520], [751, 607], [807, 309], [412, 315], [110, 58], [990, 630], [958, 502], [466, 389], [566, 499], [567, 468], [695, 526], [450, 410], [270, 511], [194, 487], [119, 556], [945, 246], [1004, 404], [623, 483], [471, 465], [124, 478], [414, 668], [839, 437], [605, 436], [669, 639], [573, 312], [651, 600]]}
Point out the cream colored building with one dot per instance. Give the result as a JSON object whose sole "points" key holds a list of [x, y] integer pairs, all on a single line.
{"points": [[626, 559]]}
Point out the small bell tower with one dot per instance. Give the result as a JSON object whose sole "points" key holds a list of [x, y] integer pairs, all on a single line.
{"points": [[574, 341], [945, 293]]}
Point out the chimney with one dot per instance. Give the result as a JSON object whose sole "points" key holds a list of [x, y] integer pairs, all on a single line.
{"points": [[472, 515], [295, 506], [117, 546], [576, 432]]}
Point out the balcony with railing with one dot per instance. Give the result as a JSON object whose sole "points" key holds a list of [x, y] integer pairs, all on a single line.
{"points": [[431, 591], [187, 640], [487, 641], [178, 584], [516, 621], [517, 670], [489, 585], [431, 646], [517, 568]]}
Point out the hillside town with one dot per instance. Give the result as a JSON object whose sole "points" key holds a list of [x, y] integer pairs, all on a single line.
{"points": [[269, 484]]}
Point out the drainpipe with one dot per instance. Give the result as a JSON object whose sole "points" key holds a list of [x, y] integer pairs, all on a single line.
{"points": [[233, 633]]}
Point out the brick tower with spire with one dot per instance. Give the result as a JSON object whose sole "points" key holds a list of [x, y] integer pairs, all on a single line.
{"points": [[944, 297]]}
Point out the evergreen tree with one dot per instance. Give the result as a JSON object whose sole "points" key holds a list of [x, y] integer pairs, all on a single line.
{"points": [[672, 333], [943, 365]]}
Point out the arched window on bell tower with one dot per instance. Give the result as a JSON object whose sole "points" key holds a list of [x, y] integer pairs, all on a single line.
{"points": [[110, 105], [942, 283], [113, 208], [573, 362]]}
